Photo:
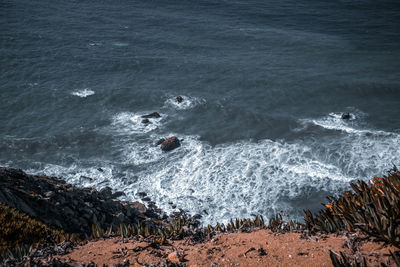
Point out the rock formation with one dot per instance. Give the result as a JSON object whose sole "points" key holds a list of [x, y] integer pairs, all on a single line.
{"points": [[170, 143], [151, 115], [64, 206]]}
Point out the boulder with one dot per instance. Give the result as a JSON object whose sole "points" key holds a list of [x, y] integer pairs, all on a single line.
{"points": [[139, 207], [141, 194], [346, 116], [73, 209], [159, 142], [106, 192], [151, 115], [170, 143], [117, 194], [179, 99]]}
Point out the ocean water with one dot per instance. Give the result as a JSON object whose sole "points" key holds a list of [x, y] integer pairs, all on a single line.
{"points": [[264, 83]]}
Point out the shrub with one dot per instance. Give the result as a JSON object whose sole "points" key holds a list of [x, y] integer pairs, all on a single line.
{"points": [[373, 208]]}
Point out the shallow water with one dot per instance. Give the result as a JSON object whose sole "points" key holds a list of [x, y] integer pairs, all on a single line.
{"points": [[263, 82]]}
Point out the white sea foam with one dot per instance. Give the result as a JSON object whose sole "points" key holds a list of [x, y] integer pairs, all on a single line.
{"points": [[334, 121], [80, 176], [83, 93], [139, 153], [187, 103], [129, 122], [235, 179]]}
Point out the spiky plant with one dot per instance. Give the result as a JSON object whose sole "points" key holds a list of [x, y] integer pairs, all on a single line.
{"points": [[19, 233], [373, 208]]}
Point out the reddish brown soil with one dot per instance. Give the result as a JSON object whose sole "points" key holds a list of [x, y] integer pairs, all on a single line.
{"points": [[238, 249]]}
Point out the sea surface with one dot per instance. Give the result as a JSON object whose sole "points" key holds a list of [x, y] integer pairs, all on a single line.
{"points": [[264, 84]]}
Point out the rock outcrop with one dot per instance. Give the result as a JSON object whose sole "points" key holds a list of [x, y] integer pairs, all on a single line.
{"points": [[170, 143], [151, 115], [64, 206], [160, 141], [346, 116], [179, 99]]}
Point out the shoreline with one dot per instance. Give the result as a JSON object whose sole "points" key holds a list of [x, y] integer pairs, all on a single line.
{"points": [[74, 221]]}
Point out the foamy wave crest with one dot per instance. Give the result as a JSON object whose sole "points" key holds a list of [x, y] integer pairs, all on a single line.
{"points": [[335, 122], [187, 103], [83, 93], [128, 122], [137, 154], [80, 176]]}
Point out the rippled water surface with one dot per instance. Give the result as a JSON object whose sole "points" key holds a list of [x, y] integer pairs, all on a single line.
{"points": [[264, 84]]}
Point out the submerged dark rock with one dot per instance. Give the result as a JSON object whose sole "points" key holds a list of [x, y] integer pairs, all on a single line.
{"points": [[179, 99], [141, 194], [170, 143], [151, 115], [346, 116], [145, 121]]}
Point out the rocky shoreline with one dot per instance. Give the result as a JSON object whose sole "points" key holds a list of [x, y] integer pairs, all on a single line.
{"points": [[67, 225], [73, 209]]}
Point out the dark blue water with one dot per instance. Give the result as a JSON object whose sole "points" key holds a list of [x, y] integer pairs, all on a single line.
{"points": [[263, 82]]}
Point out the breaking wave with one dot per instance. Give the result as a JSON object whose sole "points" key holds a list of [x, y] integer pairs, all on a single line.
{"points": [[187, 103], [83, 93]]}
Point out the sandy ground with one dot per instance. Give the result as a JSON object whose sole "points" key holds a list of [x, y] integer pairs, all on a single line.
{"points": [[260, 248]]}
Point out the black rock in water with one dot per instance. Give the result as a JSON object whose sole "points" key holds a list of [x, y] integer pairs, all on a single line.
{"points": [[159, 142], [170, 143], [179, 99], [346, 116], [145, 121], [152, 115]]}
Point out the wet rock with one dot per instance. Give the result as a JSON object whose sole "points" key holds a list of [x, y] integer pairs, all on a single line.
{"points": [[160, 141], [197, 216], [100, 169], [151, 115], [179, 99], [170, 143], [141, 194], [346, 116], [118, 194], [106, 192], [50, 194], [140, 207], [146, 199], [145, 121], [67, 207]]}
